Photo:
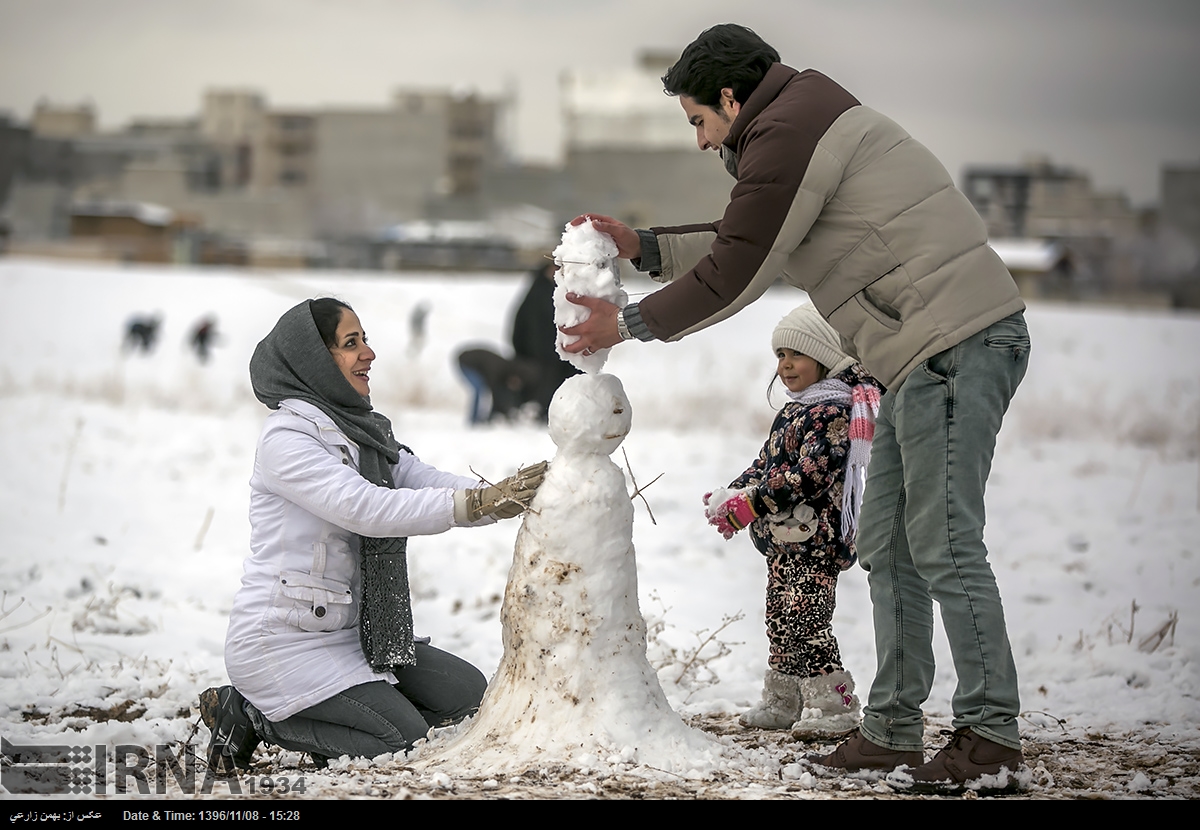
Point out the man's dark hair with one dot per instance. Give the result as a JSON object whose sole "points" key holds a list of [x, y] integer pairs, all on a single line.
{"points": [[725, 56]]}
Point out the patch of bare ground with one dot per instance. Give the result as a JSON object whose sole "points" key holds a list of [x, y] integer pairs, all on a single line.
{"points": [[1062, 764]]}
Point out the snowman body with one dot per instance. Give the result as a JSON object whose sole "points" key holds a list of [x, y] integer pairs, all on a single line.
{"points": [[574, 685]]}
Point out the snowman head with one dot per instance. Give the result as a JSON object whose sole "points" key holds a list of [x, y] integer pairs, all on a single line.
{"points": [[590, 414]]}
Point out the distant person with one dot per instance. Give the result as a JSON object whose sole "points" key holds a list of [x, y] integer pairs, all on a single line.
{"points": [[534, 335], [141, 333], [498, 387], [203, 335], [535, 371], [416, 328]]}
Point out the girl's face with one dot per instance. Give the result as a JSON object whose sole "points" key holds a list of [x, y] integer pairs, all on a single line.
{"points": [[352, 354], [797, 371]]}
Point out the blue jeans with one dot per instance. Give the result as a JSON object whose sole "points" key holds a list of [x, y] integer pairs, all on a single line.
{"points": [[921, 540], [373, 718]]}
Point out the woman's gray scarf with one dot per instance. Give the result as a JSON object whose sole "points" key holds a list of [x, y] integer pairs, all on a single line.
{"points": [[293, 362]]}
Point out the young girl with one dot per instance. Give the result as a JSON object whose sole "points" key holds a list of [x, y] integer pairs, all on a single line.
{"points": [[800, 499]]}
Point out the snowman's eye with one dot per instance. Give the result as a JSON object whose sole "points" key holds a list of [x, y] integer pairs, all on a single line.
{"points": [[618, 411]]}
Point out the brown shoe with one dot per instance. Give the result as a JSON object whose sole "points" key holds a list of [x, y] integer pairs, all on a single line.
{"points": [[964, 761], [856, 752]]}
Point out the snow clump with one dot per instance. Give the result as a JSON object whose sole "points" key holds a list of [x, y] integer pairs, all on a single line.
{"points": [[587, 265]]}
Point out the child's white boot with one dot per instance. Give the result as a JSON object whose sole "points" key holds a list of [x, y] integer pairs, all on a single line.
{"points": [[781, 703], [830, 706]]}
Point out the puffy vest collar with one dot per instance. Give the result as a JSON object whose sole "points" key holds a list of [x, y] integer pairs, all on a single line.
{"points": [[768, 89]]}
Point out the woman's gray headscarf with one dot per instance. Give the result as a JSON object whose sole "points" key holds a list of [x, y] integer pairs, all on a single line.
{"points": [[294, 362]]}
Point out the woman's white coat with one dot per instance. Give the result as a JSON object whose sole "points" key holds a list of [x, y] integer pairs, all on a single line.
{"points": [[293, 632]]}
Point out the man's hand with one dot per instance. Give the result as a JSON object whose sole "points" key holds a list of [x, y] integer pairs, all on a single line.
{"points": [[629, 244], [598, 331]]}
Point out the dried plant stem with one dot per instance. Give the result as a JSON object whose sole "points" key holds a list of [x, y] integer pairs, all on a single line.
{"points": [[62, 487], [1154, 639], [725, 623], [4, 612], [637, 491], [208, 517]]}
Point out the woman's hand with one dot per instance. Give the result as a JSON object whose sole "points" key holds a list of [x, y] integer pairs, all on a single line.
{"points": [[510, 497]]}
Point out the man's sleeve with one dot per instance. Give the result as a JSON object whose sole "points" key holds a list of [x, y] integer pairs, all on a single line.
{"points": [[786, 174], [785, 178]]}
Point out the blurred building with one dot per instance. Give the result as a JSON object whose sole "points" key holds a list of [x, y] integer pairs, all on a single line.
{"points": [[1095, 231], [424, 181], [1042, 200], [50, 121], [1180, 205], [231, 122], [254, 179], [630, 152], [1176, 254]]}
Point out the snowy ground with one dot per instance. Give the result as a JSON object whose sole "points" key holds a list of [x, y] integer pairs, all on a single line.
{"points": [[123, 494]]}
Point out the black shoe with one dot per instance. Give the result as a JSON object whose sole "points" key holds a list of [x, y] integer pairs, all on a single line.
{"points": [[233, 739]]}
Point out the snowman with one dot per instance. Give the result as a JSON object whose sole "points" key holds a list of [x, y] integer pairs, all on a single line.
{"points": [[574, 686]]}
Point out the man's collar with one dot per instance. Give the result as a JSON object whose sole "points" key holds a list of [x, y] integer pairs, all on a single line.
{"points": [[768, 88]]}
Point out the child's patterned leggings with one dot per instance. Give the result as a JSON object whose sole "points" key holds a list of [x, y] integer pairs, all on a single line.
{"points": [[801, 590]]}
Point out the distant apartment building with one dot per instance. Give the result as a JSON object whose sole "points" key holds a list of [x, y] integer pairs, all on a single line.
{"points": [[230, 123], [284, 151], [630, 152], [1177, 253], [252, 174], [1039, 200], [1179, 208], [50, 121]]}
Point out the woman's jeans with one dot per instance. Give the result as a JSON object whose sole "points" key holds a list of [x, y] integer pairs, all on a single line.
{"points": [[373, 718], [921, 539]]}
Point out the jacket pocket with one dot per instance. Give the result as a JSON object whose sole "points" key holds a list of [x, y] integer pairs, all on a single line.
{"points": [[313, 603], [876, 298]]}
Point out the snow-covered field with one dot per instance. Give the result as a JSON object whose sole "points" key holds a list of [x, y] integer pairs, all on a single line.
{"points": [[123, 495]]}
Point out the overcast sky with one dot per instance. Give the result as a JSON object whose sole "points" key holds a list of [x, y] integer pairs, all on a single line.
{"points": [[1108, 86]]}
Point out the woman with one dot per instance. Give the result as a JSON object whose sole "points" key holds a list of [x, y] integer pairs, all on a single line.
{"points": [[320, 645]]}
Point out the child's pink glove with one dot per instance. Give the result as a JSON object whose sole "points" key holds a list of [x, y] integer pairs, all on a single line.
{"points": [[728, 511]]}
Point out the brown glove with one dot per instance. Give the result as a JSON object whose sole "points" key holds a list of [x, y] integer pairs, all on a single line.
{"points": [[510, 497]]}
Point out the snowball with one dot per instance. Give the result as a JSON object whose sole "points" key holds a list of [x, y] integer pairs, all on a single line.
{"points": [[589, 414]]}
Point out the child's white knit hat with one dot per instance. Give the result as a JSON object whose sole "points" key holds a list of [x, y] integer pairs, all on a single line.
{"points": [[803, 330]]}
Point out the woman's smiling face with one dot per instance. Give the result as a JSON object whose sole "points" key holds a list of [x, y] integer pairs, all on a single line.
{"points": [[351, 352]]}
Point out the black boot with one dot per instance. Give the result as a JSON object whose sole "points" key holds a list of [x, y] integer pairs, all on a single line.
{"points": [[233, 739]]}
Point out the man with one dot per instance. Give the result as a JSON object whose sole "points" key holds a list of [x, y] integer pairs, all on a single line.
{"points": [[844, 204]]}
